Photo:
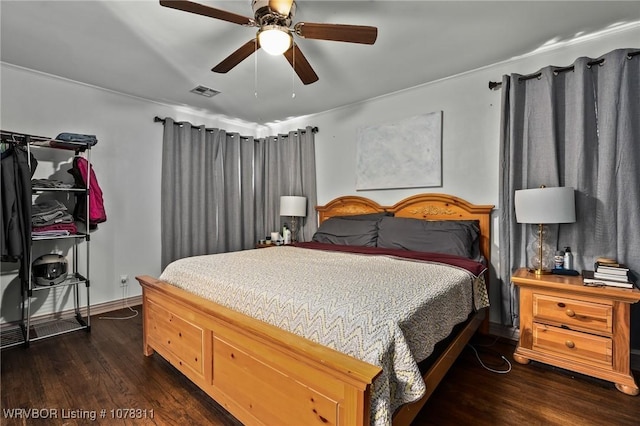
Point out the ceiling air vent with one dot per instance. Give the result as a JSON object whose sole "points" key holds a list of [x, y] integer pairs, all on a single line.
{"points": [[204, 91]]}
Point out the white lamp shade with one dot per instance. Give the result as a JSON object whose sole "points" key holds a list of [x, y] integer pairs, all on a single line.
{"points": [[291, 205], [274, 40], [545, 205]]}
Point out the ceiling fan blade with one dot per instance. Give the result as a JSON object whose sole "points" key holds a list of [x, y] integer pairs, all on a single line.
{"points": [[283, 7], [236, 57], [211, 12], [300, 64], [337, 32]]}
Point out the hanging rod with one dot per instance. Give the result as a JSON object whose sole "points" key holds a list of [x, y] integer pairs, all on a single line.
{"points": [[157, 119], [498, 84]]}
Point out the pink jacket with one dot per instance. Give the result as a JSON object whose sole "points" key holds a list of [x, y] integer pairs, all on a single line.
{"points": [[80, 172]]}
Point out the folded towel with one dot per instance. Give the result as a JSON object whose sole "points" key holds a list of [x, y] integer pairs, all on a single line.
{"points": [[47, 207]]}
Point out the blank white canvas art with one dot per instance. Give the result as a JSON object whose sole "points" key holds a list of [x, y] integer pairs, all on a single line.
{"points": [[404, 154]]}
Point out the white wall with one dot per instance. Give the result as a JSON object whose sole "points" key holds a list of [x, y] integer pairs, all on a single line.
{"points": [[127, 158], [471, 123]]}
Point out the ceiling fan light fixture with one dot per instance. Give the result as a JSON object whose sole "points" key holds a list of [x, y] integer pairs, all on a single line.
{"points": [[274, 39]]}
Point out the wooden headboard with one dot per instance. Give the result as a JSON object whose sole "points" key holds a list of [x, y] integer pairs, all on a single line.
{"points": [[421, 206]]}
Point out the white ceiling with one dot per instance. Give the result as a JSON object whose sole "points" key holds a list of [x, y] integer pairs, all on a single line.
{"points": [[144, 49]]}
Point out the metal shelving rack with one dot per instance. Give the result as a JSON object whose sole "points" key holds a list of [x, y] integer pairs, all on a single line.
{"points": [[29, 330]]}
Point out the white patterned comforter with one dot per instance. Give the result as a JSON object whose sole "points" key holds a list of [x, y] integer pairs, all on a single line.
{"points": [[383, 310]]}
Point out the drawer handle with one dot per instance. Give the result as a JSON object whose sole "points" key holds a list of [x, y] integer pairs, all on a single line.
{"points": [[570, 344], [570, 313]]}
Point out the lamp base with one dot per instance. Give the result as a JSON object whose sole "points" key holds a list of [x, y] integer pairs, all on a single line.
{"points": [[540, 260], [538, 271], [294, 229]]}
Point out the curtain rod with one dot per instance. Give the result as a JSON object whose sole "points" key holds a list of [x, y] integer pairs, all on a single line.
{"points": [[157, 119], [498, 84]]}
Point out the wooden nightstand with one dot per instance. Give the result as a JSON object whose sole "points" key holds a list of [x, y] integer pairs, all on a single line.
{"points": [[578, 328]]}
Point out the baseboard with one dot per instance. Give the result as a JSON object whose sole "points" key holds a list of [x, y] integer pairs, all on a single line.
{"points": [[115, 305], [97, 309]]}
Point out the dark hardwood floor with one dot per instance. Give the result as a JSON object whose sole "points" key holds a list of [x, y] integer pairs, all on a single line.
{"points": [[78, 374]]}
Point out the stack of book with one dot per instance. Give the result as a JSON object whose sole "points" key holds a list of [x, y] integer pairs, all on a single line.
{"points": [[609, 273]]}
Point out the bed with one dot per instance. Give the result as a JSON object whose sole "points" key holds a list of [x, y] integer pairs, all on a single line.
{"points": [[258, 365]]}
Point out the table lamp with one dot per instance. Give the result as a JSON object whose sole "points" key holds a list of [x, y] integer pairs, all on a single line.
{"points": [[294, 207], [545, 206]]}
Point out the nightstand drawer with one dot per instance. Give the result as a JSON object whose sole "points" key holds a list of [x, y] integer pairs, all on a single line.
{"points": [[579, 314], [585, 347]]}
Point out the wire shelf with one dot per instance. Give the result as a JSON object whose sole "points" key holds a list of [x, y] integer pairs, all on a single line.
{"points": [[55, 327], [11, 336]]}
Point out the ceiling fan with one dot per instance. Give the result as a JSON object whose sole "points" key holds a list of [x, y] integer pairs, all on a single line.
{"points": [[275, 32]]}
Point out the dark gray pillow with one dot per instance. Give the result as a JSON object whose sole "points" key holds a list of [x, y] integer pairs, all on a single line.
{"points": [[338, 230], [458, 237]]}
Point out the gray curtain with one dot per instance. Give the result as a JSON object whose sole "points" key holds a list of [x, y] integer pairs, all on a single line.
{"points": [[290, 170], [221, 191], [576, 126]]}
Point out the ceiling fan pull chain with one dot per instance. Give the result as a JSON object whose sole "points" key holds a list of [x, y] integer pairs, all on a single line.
{"points": [[293, 71], [255, 69]]}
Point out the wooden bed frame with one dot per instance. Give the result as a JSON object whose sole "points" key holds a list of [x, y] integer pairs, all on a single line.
{"points": [[264, 375]]}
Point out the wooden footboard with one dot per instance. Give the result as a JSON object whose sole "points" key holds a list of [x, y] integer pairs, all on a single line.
{"points": [[262, 374], [259, 373]]}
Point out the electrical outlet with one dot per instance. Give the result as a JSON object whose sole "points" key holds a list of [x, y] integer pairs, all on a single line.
{"points": [[124, 280]]}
